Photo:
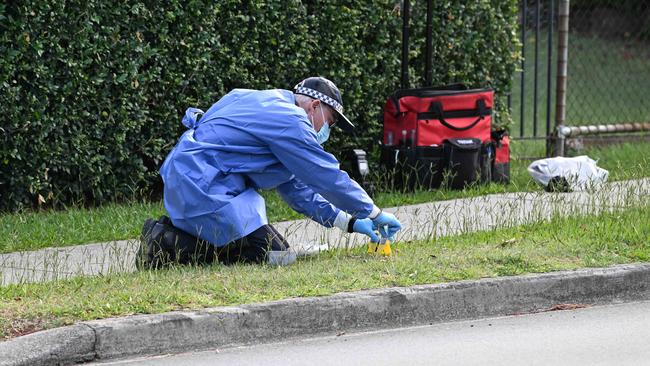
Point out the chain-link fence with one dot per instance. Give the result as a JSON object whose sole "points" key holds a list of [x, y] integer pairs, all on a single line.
{"points": [[608, 65], [609, 62]]}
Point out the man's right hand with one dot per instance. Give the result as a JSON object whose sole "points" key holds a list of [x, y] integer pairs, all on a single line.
{"points": [[365, 226], [388, 225]]}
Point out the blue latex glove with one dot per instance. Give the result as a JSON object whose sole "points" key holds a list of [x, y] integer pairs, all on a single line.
{"points": [[387, 224], [366, 226]]}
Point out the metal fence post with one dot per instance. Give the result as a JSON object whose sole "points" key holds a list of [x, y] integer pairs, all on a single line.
{"points": [[562, 60]]}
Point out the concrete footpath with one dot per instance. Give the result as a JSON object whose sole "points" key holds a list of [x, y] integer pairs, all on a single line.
{"points": [[422, 221], [222, 327]]}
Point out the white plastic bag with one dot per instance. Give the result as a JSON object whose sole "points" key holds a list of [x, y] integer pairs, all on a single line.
{"points": [[567, 174]]}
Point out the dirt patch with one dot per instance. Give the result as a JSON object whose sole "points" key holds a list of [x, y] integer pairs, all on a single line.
{"points": [[21, 328], [12, 328]]}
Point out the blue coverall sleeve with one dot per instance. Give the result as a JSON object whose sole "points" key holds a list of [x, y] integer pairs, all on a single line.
{"points": [[293, 141], [304, 200]]}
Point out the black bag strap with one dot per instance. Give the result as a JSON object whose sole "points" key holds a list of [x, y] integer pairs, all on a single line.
{"points": [[395, 101], [436, 112]]}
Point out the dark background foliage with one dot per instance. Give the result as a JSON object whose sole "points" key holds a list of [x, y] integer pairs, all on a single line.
{"points": [[613, 19], [92, 92]]}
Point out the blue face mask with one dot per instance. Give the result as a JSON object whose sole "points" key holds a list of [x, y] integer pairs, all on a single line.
{"points": [[323, 134]]}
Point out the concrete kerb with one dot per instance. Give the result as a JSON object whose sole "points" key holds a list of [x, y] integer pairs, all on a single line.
{"points": [[59, 346], [223, 327]]}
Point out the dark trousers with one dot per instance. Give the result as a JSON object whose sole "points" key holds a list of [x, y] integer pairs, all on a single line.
{"points": [[253, 247], [163, 244]]}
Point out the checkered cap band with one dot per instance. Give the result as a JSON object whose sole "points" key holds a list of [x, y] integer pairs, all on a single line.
{"points": [[320, 96]]}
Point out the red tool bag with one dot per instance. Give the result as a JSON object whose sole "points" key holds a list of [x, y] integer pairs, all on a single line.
{"points": [[439, 134], [430, 116]]}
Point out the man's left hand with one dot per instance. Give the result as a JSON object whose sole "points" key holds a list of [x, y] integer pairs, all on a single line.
{"points": [[365, 226]]}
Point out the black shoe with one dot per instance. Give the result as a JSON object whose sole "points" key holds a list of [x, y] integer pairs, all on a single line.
{"points": [[162, 244], [150, 253]]}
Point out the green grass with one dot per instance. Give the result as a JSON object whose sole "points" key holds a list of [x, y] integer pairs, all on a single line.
{"points": [[557, 244], [36, 230], [625, 161]]}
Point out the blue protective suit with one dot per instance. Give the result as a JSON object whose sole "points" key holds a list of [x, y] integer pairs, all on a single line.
{"points": [[246, 141]]}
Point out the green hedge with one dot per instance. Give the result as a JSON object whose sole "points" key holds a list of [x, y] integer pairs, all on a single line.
{"points": [[93, 91]]}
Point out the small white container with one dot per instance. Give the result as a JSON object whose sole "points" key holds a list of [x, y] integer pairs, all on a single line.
{"points": [[280, 257]]}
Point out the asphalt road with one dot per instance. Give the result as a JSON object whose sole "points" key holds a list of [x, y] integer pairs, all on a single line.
{"points": [[605, 335]]}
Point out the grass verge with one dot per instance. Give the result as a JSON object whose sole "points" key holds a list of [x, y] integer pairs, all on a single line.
{"points": [[37, 230], [557, 244]]}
